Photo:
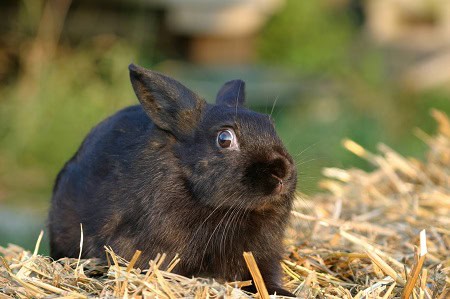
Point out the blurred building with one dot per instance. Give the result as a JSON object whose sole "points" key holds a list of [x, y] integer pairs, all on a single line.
{"points": [[201, 31], [419, 29], [219, 31]]}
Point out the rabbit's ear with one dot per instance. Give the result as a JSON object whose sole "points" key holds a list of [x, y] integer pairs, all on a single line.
{"points": [[232, 94], [171, 106]]}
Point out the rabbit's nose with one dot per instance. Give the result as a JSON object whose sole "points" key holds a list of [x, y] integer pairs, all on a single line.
{"points": [[269, 175], [279, 185], [278, 168]]}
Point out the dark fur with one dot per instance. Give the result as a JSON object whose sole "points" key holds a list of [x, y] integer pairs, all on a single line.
{"points": [[152, 178]]}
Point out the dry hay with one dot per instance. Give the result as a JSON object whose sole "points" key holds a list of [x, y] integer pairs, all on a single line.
{"points": [[379, 234]]}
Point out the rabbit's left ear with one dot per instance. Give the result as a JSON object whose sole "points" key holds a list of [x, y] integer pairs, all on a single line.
{"points": [[170, 105], [232, 94]]}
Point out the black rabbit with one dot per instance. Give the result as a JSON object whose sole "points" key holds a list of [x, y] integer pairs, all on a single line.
{"points": [[178, 175]]}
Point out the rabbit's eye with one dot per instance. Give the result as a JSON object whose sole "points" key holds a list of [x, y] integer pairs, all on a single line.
{"points": [[226, 139]]}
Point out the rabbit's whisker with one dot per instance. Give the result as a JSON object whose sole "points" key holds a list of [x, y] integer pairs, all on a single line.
{"points": [[237, 99], [212, 234], [229, 223], [192, 239], [273, 105], [245, 209], [306, 161], [306, 149]]}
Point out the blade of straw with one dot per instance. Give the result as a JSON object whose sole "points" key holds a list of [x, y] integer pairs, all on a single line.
{"points": [[385, 267], [389, 291], [81, 249], [417, 268], [256, 274], [356, 240], [38, 243], [133, 261]]}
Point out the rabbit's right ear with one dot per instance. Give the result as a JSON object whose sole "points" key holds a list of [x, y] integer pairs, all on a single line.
{"points": [[232, 94], [171, 106]]}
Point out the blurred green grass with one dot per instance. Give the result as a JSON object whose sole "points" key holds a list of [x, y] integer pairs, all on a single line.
{"points": [[43, 121], [40, 132]]}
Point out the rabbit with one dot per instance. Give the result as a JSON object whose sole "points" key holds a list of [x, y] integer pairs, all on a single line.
{"points": [[177, 175]]}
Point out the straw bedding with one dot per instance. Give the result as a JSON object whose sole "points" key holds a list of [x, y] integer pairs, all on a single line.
{"points": [[378, 234]]}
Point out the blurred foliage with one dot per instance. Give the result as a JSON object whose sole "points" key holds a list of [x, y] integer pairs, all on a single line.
{"points": [[47, 108], [74, 92], [308, 35]]}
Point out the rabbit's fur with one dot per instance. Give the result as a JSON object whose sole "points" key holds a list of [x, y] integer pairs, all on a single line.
{"points": [[154, 178]]}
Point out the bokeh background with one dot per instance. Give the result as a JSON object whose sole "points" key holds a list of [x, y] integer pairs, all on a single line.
{"points": [[325, 69]]}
